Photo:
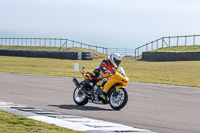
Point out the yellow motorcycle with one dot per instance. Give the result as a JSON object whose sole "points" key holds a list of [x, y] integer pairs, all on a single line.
{"points": [[109, 88]]}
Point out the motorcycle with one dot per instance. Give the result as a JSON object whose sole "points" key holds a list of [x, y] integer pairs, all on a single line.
{"points": [[109, 88]]}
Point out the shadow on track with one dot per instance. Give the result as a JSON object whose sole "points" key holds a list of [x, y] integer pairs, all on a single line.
{"points": [[76, 107]]}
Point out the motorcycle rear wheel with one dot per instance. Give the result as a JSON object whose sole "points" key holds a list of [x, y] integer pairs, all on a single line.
{"points": [[118, 101], [79, 97]]}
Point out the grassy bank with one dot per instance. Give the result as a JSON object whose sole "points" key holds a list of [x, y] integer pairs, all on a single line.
{"points": [[192, 48], [95, 53], [10, 123], [185, 73]]}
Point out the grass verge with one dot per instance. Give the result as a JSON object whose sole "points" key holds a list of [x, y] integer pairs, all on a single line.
{"points": [[192, 48], [10, 123], [186, 73], [96, 54]]}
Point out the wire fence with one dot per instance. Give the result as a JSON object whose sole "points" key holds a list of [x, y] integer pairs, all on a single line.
{"points": [[168, 42], [49, 42], [60, 43]]}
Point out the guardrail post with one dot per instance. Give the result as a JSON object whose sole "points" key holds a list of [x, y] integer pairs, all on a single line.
{"points": [[169, 41], [30, 41], [17, 41], [66, 43], [40, 42], [50, 42], [73, 43], [162, 42], [177, 40], [194, 40], [9, 41], [22, 42], [151, 46], [146, 47], [185, 40]]}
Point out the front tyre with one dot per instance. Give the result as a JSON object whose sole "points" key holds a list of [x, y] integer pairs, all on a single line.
{"points": [[119, 99], [79, 97]]}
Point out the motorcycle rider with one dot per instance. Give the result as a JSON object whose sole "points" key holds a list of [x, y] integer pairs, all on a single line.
{"points": [[109, 64]]}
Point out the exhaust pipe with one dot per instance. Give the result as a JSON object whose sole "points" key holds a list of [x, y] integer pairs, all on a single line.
{"points": [[76, 83]]}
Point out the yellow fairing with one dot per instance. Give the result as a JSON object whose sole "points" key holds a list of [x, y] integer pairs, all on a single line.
{"points": [[84, 74], [116, 78], [117, 87]]}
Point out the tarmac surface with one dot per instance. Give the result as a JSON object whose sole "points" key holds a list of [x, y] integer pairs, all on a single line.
{"points": [[156, 107]]}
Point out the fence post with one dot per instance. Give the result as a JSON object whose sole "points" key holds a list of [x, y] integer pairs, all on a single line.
{"points": [[135, 53], [177, 40], [60, 43], [162, 42], [194, 40], [50, 42], [22, 42], [151, 46], [96, 48], [157, 43], [55, 42], [169, 41], [146, 47], [9, 41], [30, 41], [185, 40], [73, 44], [17, 41], [66, 42], [40, 42]]}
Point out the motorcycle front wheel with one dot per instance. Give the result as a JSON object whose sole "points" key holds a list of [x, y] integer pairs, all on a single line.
{"points": [[118, 99], [79, 97]]}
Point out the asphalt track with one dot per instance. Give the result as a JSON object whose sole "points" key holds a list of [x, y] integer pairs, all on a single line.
{"points": [[156, 107]]}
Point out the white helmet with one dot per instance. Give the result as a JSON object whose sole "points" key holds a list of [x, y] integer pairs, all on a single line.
{"points": [[115, 59]]}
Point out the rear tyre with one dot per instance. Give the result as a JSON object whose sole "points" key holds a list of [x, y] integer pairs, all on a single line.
{"points": [[118, 100], [79, 97]]}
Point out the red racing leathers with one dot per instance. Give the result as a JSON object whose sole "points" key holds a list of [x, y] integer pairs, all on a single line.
{"points": [[105, 65]]}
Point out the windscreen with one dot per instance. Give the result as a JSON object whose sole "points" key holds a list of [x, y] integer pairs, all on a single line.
{"points": [[121, 70]]}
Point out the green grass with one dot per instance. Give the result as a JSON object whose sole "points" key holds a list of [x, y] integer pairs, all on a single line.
{"points": [[192, 48], [10, 123], [186, 73]]}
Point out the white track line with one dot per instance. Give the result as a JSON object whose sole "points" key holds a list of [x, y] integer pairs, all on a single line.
{"points": [[73, 122]]}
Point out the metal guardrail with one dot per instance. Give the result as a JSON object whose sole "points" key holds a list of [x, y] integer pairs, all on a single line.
{"points": [[49, 42], [58, 42], [168, 42]]}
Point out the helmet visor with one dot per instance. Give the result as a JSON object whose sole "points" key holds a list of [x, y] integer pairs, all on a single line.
{"points": [[117, 62]]}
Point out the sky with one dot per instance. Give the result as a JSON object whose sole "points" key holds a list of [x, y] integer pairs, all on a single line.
{"points": [[108, 23]]}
